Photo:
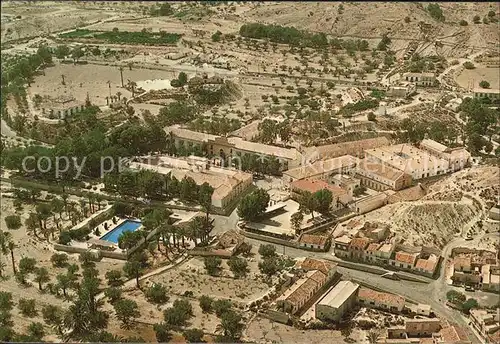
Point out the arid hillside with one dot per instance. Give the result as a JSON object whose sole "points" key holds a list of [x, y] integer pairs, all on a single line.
{"points": [[371, 20]]}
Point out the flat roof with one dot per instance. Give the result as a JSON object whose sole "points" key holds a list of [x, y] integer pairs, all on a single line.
{"points": [[177, 131], [255, 147], [321, 166], [270, 229], [316, 185], [337, 295], [407, 158], [433, 145], [486, 90], [314, 153], [382, 170]]}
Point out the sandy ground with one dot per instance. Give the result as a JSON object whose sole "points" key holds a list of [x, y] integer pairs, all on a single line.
{"points": [[91, 79], [192, 276], [446, 212], [477, 75], [263, 330]]}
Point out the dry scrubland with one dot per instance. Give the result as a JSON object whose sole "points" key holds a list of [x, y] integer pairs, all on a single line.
{"points": [[445, 212]]}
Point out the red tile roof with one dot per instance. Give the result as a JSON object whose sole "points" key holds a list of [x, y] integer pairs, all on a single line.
{"points": [[373, 247], [359, 243], [390, 300], [404, 257], [426, 264], [316, 185], [312, 239], [315, 264]]}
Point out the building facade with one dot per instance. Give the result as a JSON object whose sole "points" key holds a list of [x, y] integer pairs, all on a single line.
{"points": [[339, 300]]}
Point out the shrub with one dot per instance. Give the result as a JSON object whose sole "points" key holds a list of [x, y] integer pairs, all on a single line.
{"points": [[484, 84], [468, 65], [221, 306], [175, 83], [463, 23], [371, 117], [206, 303], [157, 293], [27, 307], [113, 294], [59, 260]]}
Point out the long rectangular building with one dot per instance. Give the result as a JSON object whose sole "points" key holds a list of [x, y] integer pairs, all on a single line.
{"points": [[233, 147], [337, 301], [409, 159]]}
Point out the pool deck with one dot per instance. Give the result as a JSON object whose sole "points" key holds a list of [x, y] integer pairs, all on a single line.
{"points": [[111, 227]]}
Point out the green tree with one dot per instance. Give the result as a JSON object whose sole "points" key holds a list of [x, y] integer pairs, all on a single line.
{"points": [[59, 260], [133, 269], [463, 22], [231, 324], [163, 332], [27, 265], [267, 250], [221, 306], [455, 296], [41, 276], [157, 293], [477, 19], [179, 314], [13, 222], [296, 221], [308, 203], [113, 294], [468, 65], [182, 78], [253, 205], [27, 307], [371, 117], [53, 316], [212, 265], [206, 303], [114, 278], [323, 201], [126, 311], [193, 335], [469, 304], [269, 266], [36, 331], [238, 266], [435, 11], [6, 303], [483, 84]]}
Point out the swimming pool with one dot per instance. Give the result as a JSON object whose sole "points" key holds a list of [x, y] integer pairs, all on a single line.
{"points": [[125, 226]]}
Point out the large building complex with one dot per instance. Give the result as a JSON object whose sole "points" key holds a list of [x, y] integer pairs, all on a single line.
{"points": [[409, 159], [233, 148], [228, 184], [356, 148], [321, 169], [381, 177]]}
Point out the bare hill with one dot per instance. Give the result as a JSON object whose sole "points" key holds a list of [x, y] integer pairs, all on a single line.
{"points": [[372, 20]]}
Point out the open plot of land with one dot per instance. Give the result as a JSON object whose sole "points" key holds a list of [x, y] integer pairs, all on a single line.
{"points": [[91, 79], [477, 75], [192, 276], [262, 330]]}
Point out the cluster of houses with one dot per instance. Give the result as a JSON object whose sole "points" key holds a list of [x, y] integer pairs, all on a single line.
{"points": [[424, 331], [479, 269], [373, 243], [316, 285]]}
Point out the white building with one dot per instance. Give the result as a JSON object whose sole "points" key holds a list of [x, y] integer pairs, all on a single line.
{"points": [[337, 301]]}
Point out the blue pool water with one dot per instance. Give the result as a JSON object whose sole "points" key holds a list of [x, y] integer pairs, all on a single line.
{"points": [[126, 226]]}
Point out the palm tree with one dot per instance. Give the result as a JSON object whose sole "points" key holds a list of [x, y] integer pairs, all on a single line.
{"points": [[98, 200], [118, 94], [12, 246], [65, 202], [41, 276], [4, 243], [2, 268], [373, 336], [121, 74], [62, 77], [63, 282], [31, 223], [83, 204]]}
